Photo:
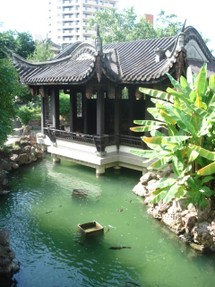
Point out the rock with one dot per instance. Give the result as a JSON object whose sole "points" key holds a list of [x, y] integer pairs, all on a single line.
{"points": [[204, 214], [14, 157], [189, 222], [146, 177], [152, 185], [185, 237], [80, 193], [197, 246], [140, 190], [201, 234], [4, 237], [4, 192], [8, 265], [23, 159]]}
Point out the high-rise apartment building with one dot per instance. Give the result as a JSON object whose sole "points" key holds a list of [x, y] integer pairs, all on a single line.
{"points": [[68, 19]]}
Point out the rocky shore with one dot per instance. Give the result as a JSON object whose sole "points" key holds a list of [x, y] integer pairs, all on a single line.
{"points": [[8, 264], [24, 150], [195, 226]]}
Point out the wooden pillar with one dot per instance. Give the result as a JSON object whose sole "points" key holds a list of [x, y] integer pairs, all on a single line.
{"points": [[100, 113], [73, 110], [43, 113], [131, 95], [116, 115], [55, 108], [85, 112]]}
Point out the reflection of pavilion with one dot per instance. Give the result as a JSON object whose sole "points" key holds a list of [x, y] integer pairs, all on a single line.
{"points": [[103, 83]]}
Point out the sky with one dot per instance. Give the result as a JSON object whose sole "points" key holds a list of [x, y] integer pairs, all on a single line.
{"points": [[31, 15]]}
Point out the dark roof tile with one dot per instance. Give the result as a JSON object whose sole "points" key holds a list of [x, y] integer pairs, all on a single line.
{"points": [[126, 62]]}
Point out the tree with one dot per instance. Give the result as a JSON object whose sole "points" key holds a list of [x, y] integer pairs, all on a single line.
{"points": [[22, 43], [25, 45], [8, 84], [182, 135], [125, 26], [167, 25], [42, 51], [7, 43]]}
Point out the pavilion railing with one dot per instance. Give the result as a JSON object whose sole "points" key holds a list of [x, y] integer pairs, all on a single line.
{"points": [[99, 141]]}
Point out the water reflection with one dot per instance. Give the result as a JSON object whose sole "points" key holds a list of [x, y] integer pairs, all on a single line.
{"points": [[42, 216]]}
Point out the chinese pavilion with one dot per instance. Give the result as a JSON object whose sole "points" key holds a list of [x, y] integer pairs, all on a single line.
{"points": [[103, 83]]}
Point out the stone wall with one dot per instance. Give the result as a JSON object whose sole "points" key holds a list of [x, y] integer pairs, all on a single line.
{"points": [[195, 226]]}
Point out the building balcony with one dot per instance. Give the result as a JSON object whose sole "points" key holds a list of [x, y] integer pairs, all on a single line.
{"points": [[99, 152]]}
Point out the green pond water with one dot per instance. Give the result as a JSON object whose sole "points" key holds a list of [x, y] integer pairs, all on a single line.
{"points": [[42, 219]]}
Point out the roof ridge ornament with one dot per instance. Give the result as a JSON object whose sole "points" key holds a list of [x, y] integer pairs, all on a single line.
{"points": [[98, 42], [181, 35]]}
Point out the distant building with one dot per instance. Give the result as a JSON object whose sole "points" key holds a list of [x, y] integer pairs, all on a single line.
{"points": [[68, 19]]}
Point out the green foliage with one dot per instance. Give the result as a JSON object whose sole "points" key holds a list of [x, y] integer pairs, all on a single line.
{"points": [[126, 26], [20, 43], [26, 113], [183, 135], [7, 43], [167, 25], [10, 88], [25, 45], [64, 105], [8, 84], [42, 51]]}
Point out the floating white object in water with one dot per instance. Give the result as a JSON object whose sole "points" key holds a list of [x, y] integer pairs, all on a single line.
{"points": [[110, 226]]}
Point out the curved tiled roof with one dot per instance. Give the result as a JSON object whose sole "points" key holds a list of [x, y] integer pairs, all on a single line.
{"points": [[128, 62]]}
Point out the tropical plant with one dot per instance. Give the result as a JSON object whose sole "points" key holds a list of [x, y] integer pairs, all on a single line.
{"points": [[182, 135]]}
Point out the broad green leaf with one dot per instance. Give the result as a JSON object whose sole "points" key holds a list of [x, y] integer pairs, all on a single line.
{"points": [[210, 155], [174, 92], [183, 120], [153, 140], [160, 163], [155, 93], [159, 196], [166, 182], [167, 118], [189, 75], [175, 83], [185, 85], [207, 170], [147, 122], [155, 113], [193, 155], [144, 128], [171, 192], [212, 83], [201, 84]]}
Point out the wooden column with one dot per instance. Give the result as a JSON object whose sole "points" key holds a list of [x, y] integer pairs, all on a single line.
{"points": [[116, 116], [55, 108], [85, 113], [73, 110], [131, 94], [100, 113], [43, 113]]}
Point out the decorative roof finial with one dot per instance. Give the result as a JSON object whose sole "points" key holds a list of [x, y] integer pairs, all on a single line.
{"points": [[183, 28], [98, 41]]}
